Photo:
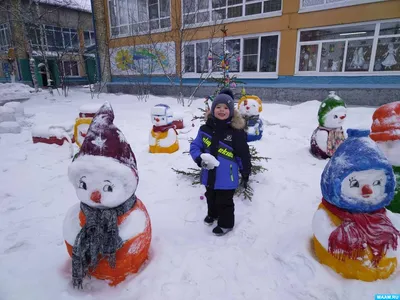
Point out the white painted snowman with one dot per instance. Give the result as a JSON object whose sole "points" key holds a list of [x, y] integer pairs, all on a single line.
{"points": [[385, 131], [108, 233], [163, 136], [328, 136], [353, 232], [250, 107]]}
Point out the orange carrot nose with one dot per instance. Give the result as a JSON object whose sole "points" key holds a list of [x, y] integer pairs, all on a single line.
{"points": [[342, 117], [95, 196], [366, 190], [157, 119]]}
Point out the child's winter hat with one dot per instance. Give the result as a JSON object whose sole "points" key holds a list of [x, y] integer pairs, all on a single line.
{"points": [[224, 97], [105, 147], [386, 123], [357, 153], [327, 105]]}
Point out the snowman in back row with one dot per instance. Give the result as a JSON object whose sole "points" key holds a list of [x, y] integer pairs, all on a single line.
{"points": [[163, 136], [328, 136], [353, 232], [250, 108]]}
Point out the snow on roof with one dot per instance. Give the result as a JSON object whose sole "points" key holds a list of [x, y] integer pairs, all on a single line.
{"points": [[84, 5]]}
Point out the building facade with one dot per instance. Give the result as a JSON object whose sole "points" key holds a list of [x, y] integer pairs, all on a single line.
{"points": [[284, 50], [60, 36]]}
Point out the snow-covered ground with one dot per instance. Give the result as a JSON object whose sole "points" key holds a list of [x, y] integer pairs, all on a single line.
{"points": [[14, 91], [268, 255]]}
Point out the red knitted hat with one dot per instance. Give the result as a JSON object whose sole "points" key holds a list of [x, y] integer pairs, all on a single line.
{"points": [[386, 123]]}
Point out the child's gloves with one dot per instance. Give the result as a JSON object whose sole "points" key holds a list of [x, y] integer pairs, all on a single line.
{"points": [[208, 161], [244, 181]]}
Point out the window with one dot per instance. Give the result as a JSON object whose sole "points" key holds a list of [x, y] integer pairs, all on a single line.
{"points": [[311, 5], [359, 49], [54, 38], [247, 55], [203, 11], [4, 37], [70, 68], [89, 38], [131, 17]]}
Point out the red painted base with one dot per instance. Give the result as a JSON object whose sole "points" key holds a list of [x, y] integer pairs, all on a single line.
{"points": [[51, 140]]}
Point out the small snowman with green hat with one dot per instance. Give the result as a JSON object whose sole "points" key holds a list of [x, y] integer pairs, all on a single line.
{"points": [[328, 136]]}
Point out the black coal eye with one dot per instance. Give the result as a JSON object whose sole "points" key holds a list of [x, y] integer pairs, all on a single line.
{"points": [[335, 117], [354, 183], [377, 182], [107, 188], [82, 185]]}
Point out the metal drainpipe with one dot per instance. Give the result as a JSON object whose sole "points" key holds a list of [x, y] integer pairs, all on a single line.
{"points": [[97, 48]]}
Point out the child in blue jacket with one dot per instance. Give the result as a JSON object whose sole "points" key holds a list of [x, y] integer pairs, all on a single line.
{"points": [[221, 150]]}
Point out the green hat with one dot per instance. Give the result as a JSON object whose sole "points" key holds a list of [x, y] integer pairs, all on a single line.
{"points": [[327, 105]]}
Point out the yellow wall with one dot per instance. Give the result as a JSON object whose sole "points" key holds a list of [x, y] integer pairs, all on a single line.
{"points": [[288, 24]]}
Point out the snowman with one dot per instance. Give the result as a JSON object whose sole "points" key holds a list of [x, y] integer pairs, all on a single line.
{"points": [[329, 134], [353, 232], [163, 136], [385, 131], [108, 233], [82, 123], [250, 108]]}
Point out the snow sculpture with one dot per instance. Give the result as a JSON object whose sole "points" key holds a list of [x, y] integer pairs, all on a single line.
{"points": [[7, 114], [163, 136], [353, 232], [108, 233], [17, 107], [385, 131], [250, 107], [86, 114], [328, 136], [53, 134]]}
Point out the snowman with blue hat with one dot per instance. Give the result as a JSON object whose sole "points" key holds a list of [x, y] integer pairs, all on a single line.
{"points": [[328, 136], [353, 232], [163, 136]]}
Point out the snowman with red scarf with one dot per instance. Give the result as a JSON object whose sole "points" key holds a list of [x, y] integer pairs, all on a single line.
{"points": [[353, 232], [163, 136]]}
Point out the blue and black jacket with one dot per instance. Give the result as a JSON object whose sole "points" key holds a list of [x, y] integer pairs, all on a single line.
{"points": [[226, 141]]}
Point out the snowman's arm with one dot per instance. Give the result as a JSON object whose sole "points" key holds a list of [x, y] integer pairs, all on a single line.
{"points": [[71, 226], [321, 137], [134, 224], [152, 139], [322, 227], [169, 140]]}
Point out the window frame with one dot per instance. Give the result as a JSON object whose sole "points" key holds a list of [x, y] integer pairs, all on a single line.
{"points": [[92, 41], [70, 61], [240, 74], [334, 5], [210, 10], [375, 38], [5, 28], [139, 33]]}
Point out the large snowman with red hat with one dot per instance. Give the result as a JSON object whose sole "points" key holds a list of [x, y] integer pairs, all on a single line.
{"points": [[108, 233], [328, 136], [385, 131]]}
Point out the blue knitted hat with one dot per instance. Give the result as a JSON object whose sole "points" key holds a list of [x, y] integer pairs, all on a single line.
{"points": [[223, 98], [357, 153]]}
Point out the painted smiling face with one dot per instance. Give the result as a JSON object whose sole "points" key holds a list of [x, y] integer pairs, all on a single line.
{"points": [[104, 183], [249, 107], [365, 186], [335, 118]]}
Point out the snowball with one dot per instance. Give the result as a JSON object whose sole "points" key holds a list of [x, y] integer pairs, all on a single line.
{"points": [[7, 114], [10, 127], [16, 106]]}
